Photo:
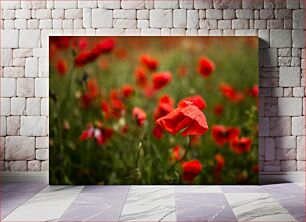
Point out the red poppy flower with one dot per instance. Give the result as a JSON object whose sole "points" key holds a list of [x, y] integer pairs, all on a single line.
{"points": [[219, 162], [104, 46], [82, 43], [117, 106], [100, 134], [88, 133], [165, 106], [254, 91], [86, 100], [222, 134], [242, 145], [177, 153], [188, 119], [197, 100], [150, 62], [218, 109], [205, 67], [161, 79], [93, 88], [139, 115], [230, 93], [61, 67], [84, 57], [141, 77], [105, 110], [61, 42], [157, 132], [191, 169], [127, 90]]}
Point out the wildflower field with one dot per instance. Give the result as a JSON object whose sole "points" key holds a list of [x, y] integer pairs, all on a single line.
{"points": [[153, 110]]}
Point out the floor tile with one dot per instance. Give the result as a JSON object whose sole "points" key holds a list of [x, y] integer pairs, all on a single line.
{"points": [[97, 203], [197, 189], [15, 194], [291, 199], [22, 187], [203, 207], [149, 203], [257, 207], [242, 189], [283, 188], [298, 212], [47, 205]]}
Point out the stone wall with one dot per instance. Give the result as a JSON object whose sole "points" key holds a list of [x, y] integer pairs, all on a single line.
{"points": [[25, 26]]}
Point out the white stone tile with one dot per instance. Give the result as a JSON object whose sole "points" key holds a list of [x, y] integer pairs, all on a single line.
{"points": [[102, 18], [8, 87], [160, 18], [33, 126], [257, 207], [33, 106], [192, 19], [18, 106], [41, 87], [19, 148], [133, 4], [47, 205], [9, 38], [25, 87], [29, 38], [5, 106], [180, 18], [149, 203], [109, 4], [289, 106]]}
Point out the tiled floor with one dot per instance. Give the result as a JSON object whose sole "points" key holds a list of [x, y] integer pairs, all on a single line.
{"points": [[39, 202]]}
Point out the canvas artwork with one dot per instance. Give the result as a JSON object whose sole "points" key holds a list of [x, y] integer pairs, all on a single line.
{"points": [[153, 110]]}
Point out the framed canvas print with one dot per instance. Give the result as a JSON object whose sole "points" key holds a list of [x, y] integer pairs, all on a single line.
{"points": [[153, 110]]}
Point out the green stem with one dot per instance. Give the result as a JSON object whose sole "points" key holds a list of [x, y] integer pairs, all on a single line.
{"points": [[183, 157], [138, 154]]}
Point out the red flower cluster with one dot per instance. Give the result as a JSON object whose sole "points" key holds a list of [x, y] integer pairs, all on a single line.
{"points": [[149, 62], [139, 115], [103, 47], [100, 134], [230, 93], [222, 134], [242, 145], [186, 118], [205, 67], [191, 169], [91, 93], [62, 67], [114, 106]]}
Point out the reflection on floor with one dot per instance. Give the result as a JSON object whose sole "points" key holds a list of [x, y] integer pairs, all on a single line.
{"points": [[39, 202]]}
